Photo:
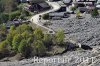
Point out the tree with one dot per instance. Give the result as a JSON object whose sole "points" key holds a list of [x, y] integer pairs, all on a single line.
{"points": [[25, 35], [60, 37], [4, 47], [3, 32], [1, 6], [9, 39], [12, 28], [2, 36], [24, 48], [3, 28], [25, 13], [39, 48], [30, 40], [23, 28], [16, 41], [94, 12], [4, 17], [47, 40], [9, 5], [14, 15], [10, 35], [38, 34]]}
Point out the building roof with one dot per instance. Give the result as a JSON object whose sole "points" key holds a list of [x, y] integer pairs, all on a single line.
{"points": [[44, 5], [67, 1], [56, 14]]}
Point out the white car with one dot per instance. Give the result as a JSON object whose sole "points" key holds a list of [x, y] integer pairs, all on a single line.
{"points": [[98, 6]]}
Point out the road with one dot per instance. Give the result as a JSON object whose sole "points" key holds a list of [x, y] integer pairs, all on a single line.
{"points": [[35, 19]]}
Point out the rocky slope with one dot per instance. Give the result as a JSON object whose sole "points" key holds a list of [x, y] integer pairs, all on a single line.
{"points": [[85, 31]]}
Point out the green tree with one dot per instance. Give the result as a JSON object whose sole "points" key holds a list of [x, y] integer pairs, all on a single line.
{"points": [[16, 41], [26, 34], [14, 15], [4, 17], [47, 40], [9, 5], [4, 47], [2, 36], [23, 28], [1, 6], [9, 39], [30, 40], [3, 28], [38, 34], [24, 48], [39, 48], [60, 37], [12, 28]]}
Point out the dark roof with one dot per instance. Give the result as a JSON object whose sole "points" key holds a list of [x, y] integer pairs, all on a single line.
{"points": [[44, 5]]}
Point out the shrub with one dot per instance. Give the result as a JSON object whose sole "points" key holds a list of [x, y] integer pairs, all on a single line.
{"points": [[16, 42], [39, 48], [73, 8], [4, 17], [24, 48], [60, 37], [78, 13], [38, 34], [14, 14], [94, 12], [47, 40], [4, 48], [45, 16]]}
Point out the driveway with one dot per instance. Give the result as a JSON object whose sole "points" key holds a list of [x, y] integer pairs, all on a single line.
{"points": [[35, 19]]}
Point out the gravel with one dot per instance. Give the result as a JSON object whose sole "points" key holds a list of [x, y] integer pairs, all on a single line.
{"points": [[85, 31]]}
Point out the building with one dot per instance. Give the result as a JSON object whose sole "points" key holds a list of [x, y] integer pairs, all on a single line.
{"points": [[86, 2], [63, 7], [58, 15], [38, 7]]}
